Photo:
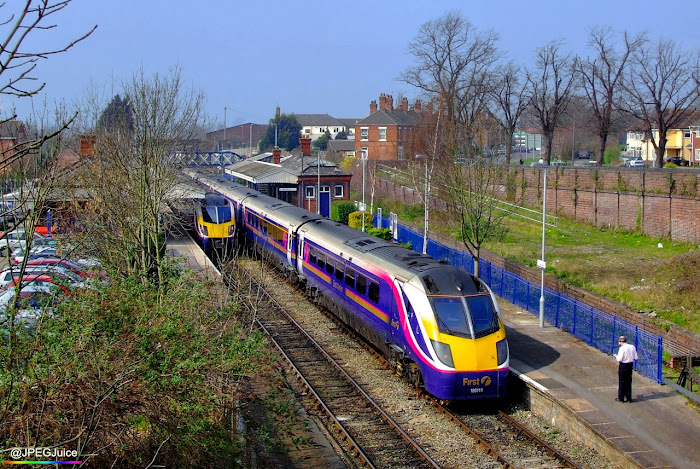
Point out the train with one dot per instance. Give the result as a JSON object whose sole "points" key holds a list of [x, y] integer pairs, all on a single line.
{"points": [[214, 223], [438, 325]]}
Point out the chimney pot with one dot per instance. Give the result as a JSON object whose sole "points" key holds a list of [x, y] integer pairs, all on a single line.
{"points": [[382, 102], [372, 107], [389, 102], [404, 104], [417, 105], [276, 155], [305, 143]]}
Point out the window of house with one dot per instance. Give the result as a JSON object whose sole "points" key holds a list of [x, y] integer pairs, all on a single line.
{"points": [[400, 152], [310, 192], [686, 133], [697, 153], [373, 293], [382, 134], [338, 190], [307, 131], [325, 189], [364, 133]]}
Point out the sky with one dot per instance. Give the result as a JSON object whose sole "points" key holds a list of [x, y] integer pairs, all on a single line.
{"points": [[248, 57]]}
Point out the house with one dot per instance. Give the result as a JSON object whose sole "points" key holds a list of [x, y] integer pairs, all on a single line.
{"points": [[680, 141], [316, 125], [12, 133], [243, 138], [340, 149], [389, 133], [694, 158], [294, 179]]}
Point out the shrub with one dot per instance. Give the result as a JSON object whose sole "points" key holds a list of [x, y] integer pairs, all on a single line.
{"points": [[384, 233], [340, 211], [411, 212], [355, 220]]}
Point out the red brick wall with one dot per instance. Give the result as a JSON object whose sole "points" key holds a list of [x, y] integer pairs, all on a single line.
{"points": [[663, 203]]}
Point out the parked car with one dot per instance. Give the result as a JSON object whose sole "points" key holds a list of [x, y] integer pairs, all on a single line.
{"points": [[677, 160], [55, 260], [11, 240], [558, 163], [34, 301], [41, 280], [19, 253], [60, 273], [635, 162]]}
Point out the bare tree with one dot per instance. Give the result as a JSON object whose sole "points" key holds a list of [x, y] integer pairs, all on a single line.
{"points": [[135, 167], [453, 61], [551, 86], [474, 192], [601, 76], [510, 97], [662, 90]]}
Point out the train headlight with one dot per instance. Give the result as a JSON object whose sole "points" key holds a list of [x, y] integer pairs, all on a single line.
{"points": [[231, 228], [502, 351], [205, 232], [443, 352]]}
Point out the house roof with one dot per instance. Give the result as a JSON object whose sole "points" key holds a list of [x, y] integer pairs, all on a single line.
{"points": [[395, 117], [260, 170], [317, 120], [341, 145], [13, 129], [349, 122]]}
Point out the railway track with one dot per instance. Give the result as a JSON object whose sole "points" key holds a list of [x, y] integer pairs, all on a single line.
{"points": [[366, 432], [504, 442]]}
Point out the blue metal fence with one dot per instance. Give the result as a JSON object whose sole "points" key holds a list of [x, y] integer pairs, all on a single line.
{"points": [[596, 328]]}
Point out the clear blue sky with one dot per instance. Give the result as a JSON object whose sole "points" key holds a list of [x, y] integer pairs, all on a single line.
{"points": [[306, 57]]}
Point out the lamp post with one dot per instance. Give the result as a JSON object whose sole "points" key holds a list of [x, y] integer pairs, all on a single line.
{"points": [[363, 208], [421, 156], [540, 262]]}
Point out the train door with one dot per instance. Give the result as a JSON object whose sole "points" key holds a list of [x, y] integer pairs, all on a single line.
{"points": [[301, 245], [290, 245]]}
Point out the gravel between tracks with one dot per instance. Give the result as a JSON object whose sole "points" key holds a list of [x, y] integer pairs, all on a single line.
{"points": [[442, 439]]}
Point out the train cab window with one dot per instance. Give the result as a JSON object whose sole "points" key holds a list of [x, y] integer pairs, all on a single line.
{"points": [[321, 260], [350, 277], [361, 285], [373, 293], [329, 266], [339, 271], [483, 314], [312, 255]]}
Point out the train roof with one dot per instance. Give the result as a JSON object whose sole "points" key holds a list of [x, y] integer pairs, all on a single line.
{"points": [[376, 250]]}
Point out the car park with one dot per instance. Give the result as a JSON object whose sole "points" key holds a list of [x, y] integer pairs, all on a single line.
{"points": [[41, 280], [55, 260]]}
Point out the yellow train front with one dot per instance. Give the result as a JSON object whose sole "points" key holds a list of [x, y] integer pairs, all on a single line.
{"points": [[214, 222]]}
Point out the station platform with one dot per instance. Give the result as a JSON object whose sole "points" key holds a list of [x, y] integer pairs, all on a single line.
{"points": [[658, 429], [181, 245]]}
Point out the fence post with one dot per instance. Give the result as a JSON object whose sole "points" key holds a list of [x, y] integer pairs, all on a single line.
{"points": [[614, 335], [636, 341], [573, 331], [556, 316], [659, 358], [502, 270], [591, 338]]}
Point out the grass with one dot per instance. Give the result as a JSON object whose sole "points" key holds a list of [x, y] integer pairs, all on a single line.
{"points": [[628, 267]]}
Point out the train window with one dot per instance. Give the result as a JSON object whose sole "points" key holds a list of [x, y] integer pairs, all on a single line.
{"points": [[483, 315], [321, 260], [339, 271], [312, 255], [373, 293], [350, 277], [361, 285], [329, 266]]}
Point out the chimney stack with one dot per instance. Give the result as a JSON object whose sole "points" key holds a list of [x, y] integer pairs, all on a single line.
{"points": [[389, 102], [87, 145], [305, 146], [417, 106], [404, 104], [382, 102], [429, 107], [372, 107], [277, 112], [276, 155]]}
